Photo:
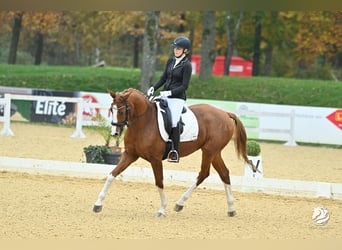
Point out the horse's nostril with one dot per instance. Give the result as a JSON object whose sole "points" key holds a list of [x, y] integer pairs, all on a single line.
{"points": [[114, 134]]}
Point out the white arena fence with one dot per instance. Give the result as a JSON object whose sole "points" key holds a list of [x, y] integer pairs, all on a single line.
{"points": [[81, 105], [287, 131], [282, 187]]}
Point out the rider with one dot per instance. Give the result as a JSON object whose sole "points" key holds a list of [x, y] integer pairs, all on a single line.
{"points": [[175, 78]]}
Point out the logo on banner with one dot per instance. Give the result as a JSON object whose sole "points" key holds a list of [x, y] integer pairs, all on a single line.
{"points": [[336, 118], [90, 112]]}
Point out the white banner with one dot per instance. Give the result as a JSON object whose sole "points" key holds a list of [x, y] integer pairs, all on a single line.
{"points": [[310, 124]]}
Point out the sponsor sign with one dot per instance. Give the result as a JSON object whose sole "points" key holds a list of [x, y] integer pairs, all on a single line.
{"points": [[51, 111], [336, 118]]}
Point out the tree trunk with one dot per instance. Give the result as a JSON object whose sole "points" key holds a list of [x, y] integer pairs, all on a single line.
{"points": [[12, 56], [231, 40], [268, 60], [136, 51], [39, 49], [257, 42], [208, 52], [149, 49], [191, 38]]}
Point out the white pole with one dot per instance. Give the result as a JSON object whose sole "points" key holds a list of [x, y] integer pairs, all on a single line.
{"points": [[7, 117], [79, 120], [292, 141]]}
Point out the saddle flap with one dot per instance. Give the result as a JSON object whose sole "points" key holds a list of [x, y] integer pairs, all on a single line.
{"points": [[188, 123]]}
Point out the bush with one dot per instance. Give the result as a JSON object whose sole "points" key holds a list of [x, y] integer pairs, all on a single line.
{"points": [[95, 153], [253, 148]]}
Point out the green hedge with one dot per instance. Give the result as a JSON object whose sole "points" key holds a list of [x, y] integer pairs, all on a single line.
{"points": [[246, 89]]}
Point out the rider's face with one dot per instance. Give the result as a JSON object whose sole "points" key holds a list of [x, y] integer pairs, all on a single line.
{"points": [[178, 51]]}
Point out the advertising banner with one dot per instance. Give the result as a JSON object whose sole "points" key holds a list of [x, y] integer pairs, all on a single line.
{"points": [[90, 113], [273, 122], [51, 111]]}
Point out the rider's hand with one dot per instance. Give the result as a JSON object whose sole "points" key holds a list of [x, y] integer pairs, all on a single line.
{"points": [[165, 93], [150, 91]]}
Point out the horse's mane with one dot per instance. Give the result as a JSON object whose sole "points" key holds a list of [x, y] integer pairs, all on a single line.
{"points": [[132, 92]]}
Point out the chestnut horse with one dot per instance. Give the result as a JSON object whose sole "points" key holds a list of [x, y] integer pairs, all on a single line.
{"points": [[142, 139]]}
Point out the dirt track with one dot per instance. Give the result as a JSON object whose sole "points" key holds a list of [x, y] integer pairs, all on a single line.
{"points": [[57, 207]]}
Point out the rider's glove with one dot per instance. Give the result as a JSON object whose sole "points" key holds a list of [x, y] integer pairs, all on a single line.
{"points": [[150, 91], [165, 93]]}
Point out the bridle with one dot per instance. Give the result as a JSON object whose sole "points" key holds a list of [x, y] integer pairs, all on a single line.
{"points": [[125, 122], [127, 113]]}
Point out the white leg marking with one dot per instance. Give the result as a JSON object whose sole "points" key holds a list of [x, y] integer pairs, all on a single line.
{"points": [[163, 202], [230, 197], [186, 195], [104, 190]]}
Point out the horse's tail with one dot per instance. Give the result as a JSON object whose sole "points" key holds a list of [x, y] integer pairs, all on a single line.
{"points": [[240, 138]]}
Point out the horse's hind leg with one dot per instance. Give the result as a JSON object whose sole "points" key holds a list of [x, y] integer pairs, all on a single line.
{"points": [[223, 172], [204, 173], [180, 203]]}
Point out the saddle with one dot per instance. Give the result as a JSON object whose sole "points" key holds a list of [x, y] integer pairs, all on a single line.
{"points": [[188, 125], [166, 114], [188, 122]]}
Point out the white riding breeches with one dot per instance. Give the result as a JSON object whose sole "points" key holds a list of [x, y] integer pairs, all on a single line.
{"points": [[176, 106]]}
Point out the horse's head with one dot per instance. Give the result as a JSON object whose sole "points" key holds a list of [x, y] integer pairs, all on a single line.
{"points": [[125, 108], [119, 111]]}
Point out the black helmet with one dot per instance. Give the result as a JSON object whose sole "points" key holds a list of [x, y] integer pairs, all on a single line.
{"points": [[181, 42]]}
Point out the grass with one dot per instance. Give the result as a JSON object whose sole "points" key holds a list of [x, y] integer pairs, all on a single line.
{"points": [[270, 90]]}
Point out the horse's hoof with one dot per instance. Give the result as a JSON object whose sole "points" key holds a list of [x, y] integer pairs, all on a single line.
{"points": [[160, 215], [178, 208], [97, 209], [231, 213]]}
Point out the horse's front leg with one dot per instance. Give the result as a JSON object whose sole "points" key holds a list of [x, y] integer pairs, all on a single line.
{"points": [[157, 168], [163, 203], [98, 204], [124, 162]]}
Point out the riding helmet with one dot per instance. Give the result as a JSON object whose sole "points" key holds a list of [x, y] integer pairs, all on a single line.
{"points": [[181, 42]]}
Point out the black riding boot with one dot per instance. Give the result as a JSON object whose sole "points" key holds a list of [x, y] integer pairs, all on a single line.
{"points": [[173, 154]]}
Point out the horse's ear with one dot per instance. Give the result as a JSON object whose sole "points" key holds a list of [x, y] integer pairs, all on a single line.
{"points": [[112, 94]]}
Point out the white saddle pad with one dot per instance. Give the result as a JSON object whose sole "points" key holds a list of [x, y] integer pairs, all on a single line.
{"points": [[190, 127]]}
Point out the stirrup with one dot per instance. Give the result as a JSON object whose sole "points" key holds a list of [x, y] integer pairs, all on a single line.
{"points": [[173, 156]]}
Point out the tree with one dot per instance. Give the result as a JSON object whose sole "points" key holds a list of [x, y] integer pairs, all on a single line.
{"points": [[258, 18], [41, 23], [231, 39], [273, 28], [12, 56], [149, 49], [208, 52]]}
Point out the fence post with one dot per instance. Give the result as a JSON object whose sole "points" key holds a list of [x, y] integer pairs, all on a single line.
{"points": [[292, 141], [79, 120], [7, 117]]}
